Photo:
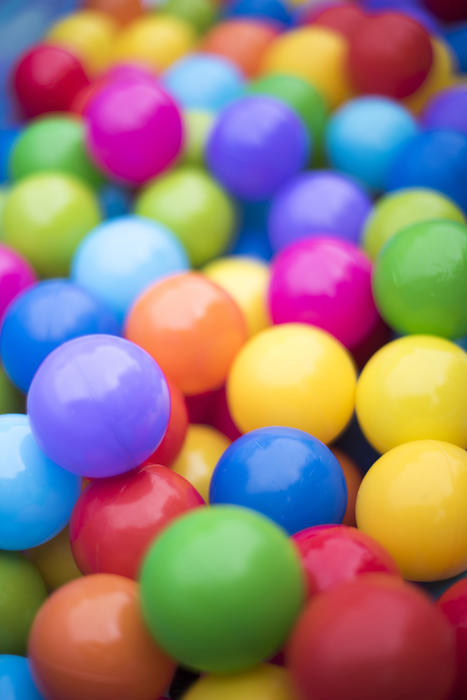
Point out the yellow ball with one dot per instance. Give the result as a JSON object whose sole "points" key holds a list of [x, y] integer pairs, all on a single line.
{"points": [[440, 77], [55, 561], [413, 501], [315, 54], [293, 375], [202, 449], [414, 388], [88, 34], [265, 682], [246, 280], [154, 40]]}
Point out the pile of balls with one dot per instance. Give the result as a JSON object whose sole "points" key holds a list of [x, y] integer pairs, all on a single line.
{"points": [[233, 383]]}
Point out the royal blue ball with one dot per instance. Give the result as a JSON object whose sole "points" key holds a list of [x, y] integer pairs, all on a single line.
{"points": [[284, 473], [16, 682], [447, 110], [8, 137], [276, 10], [456, 37], [115, 201]]}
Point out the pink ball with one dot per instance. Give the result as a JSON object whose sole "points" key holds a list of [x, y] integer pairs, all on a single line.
{"points": [[325, 282], [134, 129], [15, 275]]}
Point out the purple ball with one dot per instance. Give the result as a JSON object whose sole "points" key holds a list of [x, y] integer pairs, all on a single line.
{"points": [[98, 405], [318, 203], [256, 145], [447, 110]]}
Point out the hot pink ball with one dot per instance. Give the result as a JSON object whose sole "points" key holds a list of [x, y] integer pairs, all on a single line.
{"points": [[135, 129], [15, 275], [325, 282]]}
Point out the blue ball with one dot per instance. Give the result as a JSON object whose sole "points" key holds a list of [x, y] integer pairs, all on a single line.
{"points": [[456, 37], [201, 81], [276, 10], [7, 139], [115, 201], [16, 681], [252, 238], [286, 474], [435, 159], [121, 257], [36, 495], [365, 136], [42, 318]]}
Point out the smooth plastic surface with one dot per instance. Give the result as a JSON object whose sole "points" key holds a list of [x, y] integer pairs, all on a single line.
{"points": [[16, 275], [16, 682]]}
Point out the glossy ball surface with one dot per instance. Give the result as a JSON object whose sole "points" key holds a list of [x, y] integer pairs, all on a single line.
{"points": [[264, 682], [16, 682], [16, 275]]}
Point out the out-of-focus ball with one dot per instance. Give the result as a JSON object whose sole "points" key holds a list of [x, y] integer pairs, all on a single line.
{"points": [[114, 201], [198, 124], [447, 110], [176, 432], [453, 604], [16, 275], [8, 137], [272, 10], [16, 679], [54, 561], [200, 14], [341, 17], [121, 11], [442, 75], [353, 478], [264, 682]]}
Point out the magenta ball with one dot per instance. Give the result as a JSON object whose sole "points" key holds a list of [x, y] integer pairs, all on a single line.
{"points": [[325, 282], [15, 275], [134, 130]]}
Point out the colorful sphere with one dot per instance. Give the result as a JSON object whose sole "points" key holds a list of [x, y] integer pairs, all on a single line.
{"points": [[428, 539], [206, 208], [16, 275], [256, 145], [272, 10], [121, 11], [296, 376], [318, 203], [121, 257], [342, 17], [235, 571], [440, 76], [420, 279], [375, 636], [54, 561], [353, 478], [242, 41], [199, 13], [198, 124], [447, 110], [89, 384], [46, 215], [325, 282], [453, 604], [16, 681], [109, 655], [176, 432], [8, 137], [264, 682]]}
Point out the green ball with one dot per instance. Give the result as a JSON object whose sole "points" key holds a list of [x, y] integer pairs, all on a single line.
{"points": [[22, 592], [11, 400], [192, 205], [46, 216], [221, 589], [3, 198], [199, 13], [198, 125], [420, 279], [400, 209], [53, 143]]}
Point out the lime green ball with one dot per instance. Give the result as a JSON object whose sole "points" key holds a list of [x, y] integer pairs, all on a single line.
{"points": [[198, 125], [53, 143], [420, 279], [3, 196], [46, 216], [221, 589], [11, 400], [192, 205], [199, 13], [397, 211], [22, 592]]}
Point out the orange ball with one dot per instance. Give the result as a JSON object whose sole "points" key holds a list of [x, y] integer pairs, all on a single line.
{"points": [[242, 41], [122, 11], [353, 479], [88, 641], [191, 327]]}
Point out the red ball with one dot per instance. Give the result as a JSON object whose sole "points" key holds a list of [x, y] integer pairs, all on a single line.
{"points": [[115, 520], [338, 554], [373, 638], [199, 406], [389, 54], [173, 440], [453, 603], [344, 18], [47, 79], [378, 336], [220, 417]]}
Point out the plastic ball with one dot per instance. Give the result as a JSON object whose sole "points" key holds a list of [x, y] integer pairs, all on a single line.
{"points": [[341, 17], [257, 144], [135, 129], [199, 13], [285, 474], [453, 604], [8, 137], [121, 11], [53, 143], [114, 201], [47, 79], [246, 280], [413, 389], [235, 571], [46, 215], [23, 592], [120, 258], [325, 282], [16, 682], [427, 538], [54, 561], [176, 432], [316, 54], [420, 279], [201, 451], [296, 376], [447, 110], [389, 54], [212, 323], [201, 81], [398, 210], [89, 384], [220, 416], [111, 657], [272, 10], [198, 124], [206, 208], [455, 37], [107, 531], [242, 41], [42, 318], [375, 636], [16, 275], [264, 682], [353, 479], [440, 77], [318, 203]]}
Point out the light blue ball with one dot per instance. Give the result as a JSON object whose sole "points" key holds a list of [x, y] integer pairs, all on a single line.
{"points": [[121, 257], [201, 81], [36, 495], [364, 138], [16, 681]]}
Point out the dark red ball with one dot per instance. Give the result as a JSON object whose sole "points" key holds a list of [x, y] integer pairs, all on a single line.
{"points": [[344, 18], [453, 603], [174, 437]]}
